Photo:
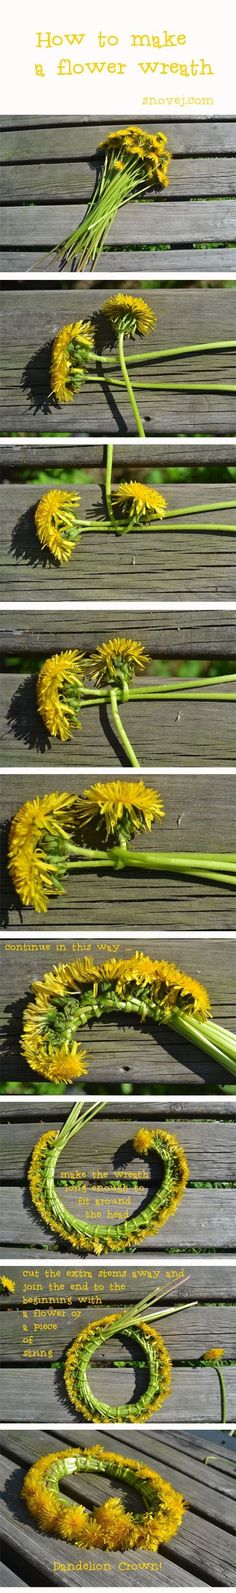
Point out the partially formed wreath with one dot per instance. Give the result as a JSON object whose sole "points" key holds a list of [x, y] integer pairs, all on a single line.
{"points": [[110, 1525], [78, 993], [102, 1238]]}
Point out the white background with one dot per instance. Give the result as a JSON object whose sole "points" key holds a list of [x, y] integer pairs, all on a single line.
{"points": [[210, 32]]}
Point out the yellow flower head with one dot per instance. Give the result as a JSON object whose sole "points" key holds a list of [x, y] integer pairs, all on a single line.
{"points": [[139, 502], [56, 524], [117, 661], [120, 801], [38, 847], [69, 359], [129, 314], [216, 1354], [7, 1283], [145, 156], [58, 692]]}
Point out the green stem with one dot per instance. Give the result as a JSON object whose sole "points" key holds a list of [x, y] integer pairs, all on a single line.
{"points": [[200, 508], [196, 1033], [155, 386], [183, 348], [120, 730], [108, 480], [128, 384]]}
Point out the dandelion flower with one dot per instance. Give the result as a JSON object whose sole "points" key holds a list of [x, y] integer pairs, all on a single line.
{"points": [[58, 692], [139, 502], [216, 1354], [117, 660], [118, 801], [56, 524], [109, 1526], [38, 847], [129, 314], [7, 1283], [71, 349]]}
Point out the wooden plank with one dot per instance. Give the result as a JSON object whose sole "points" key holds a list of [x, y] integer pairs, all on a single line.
{"points": [[159, 562], [27, 1392], [30, 321], [78, 137], [194, 260], [209, 1146], [198, 633], [219, 1476], [209, 1212], [108, 901], [186, 732], [201, 221], [38, 1335], [116, 1052], [8, 1577], [31, 179], [101, 1287], [35, 455]]}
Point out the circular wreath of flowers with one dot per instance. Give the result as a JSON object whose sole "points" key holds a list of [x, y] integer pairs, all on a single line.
{"points": [[157, 1361], [110, 1525], [102, 1238]]}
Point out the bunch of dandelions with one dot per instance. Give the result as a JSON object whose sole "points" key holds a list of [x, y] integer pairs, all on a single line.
{"points": [[124, 1234], [111, 1525], [46, 840], [132, 163], [61, 690], [72, 995], [136, 1323]]}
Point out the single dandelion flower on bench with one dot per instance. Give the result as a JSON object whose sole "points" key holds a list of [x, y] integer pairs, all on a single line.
{"points": [[70, 356], [128, 316], [114, 664], [131, 163], [120, 806], [58, 692], [38, 847], [137, 501], [56, 524], [6, 1284], [214, 1357]]}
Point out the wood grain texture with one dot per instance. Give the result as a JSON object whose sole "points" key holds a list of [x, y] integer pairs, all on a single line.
{"points": [[52, 167], [34, 1340], [149, 564], [107, 1164], [178, 731], [202, 1549], [31, 318], [156, 901], [37, 454], [120, 1053], [195, 633]]}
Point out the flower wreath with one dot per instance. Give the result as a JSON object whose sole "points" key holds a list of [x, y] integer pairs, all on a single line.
{"points": [[157, 1360], [110, 1526], [124, 1235], [76, 993]]}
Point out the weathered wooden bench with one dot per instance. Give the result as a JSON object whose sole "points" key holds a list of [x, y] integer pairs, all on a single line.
{"points": [[182, 730], [185, 314], [120, 1053], [115, 1180], [48, 176], [201, 1554], [200, 816], [50, 1306], [146, 565]]}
